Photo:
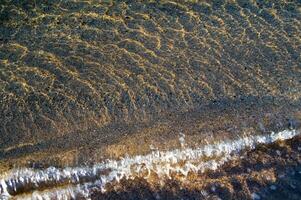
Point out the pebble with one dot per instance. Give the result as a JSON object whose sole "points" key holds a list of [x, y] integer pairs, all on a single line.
{"points": [[255, 196], [273, 187], [281, 175], [204, 193]]}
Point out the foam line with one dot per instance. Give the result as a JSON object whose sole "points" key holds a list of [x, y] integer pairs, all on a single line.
{"points": [[71, 182]]}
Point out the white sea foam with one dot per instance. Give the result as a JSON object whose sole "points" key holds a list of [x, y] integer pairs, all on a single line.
{"points": [[79, 181]]}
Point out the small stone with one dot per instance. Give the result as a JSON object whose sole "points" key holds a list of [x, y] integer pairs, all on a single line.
{"points": [[278, 153], [281, 175], [255, 196], [204, 193], [273, 187]]}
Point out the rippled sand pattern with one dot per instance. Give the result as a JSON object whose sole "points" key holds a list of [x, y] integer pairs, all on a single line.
{"points": [[72, 65]]}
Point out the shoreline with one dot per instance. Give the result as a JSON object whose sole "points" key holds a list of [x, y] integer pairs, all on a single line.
{"points": [[151, 168], [141, 84]]}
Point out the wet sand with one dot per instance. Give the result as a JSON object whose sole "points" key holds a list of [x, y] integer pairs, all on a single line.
{"points": [[86, 81], [269, 172]]}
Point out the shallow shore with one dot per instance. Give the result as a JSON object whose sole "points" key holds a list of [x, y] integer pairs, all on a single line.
{"points": [[84, 82], [212, 123], [243, 172]]}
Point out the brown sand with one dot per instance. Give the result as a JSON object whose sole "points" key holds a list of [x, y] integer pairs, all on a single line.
{"points": [[82, 81]]}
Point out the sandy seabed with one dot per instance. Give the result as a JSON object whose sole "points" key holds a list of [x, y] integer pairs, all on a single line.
{"points": [[84, 82]]}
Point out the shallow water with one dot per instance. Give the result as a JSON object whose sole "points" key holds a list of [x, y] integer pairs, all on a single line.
{"points": [[73, 65], [86, 81]]}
